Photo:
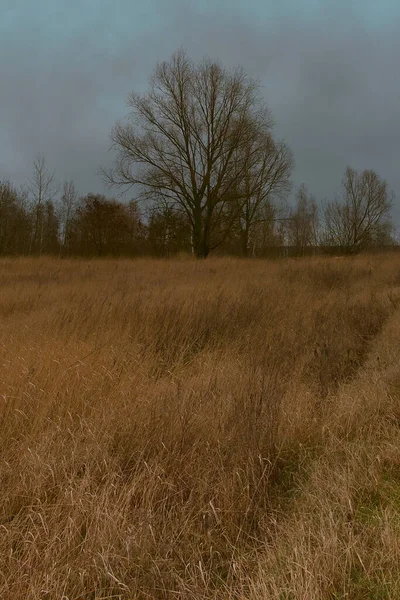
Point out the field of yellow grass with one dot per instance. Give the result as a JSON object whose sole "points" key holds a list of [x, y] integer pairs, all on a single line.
{"points": [[220, 429]]}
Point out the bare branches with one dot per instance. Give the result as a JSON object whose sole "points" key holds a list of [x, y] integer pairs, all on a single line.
{"points": [[69, 202], [42, 189], [186, 139], [266, 175], [302, 226], [365, 205], [42, 184]]}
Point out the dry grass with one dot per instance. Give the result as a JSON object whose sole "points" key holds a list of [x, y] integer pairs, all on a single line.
{"points": [[217, 429]]}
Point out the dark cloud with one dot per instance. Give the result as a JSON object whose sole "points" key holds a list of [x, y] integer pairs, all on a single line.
{"points": [[328, 71]]}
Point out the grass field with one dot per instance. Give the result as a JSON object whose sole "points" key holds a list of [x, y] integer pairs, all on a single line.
{"points": [[222, 429]]}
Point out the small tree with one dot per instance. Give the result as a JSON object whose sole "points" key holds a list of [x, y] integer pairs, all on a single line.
{"points": [[14, 221], [137, 242], [302, 224], [68, 207], [365, 205], [42, 189], [50, 243], [186, 139], [266, 176], [101, 226]]}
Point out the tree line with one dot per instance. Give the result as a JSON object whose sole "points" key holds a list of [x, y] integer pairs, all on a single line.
{"points": [[207, 173]]}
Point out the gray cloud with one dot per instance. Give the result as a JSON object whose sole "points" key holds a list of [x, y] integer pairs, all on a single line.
{"points": [[329, 75]]}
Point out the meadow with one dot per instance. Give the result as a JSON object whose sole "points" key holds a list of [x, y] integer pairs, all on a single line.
{"points": [[216, 429]]}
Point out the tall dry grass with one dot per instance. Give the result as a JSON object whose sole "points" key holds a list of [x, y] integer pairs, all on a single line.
{"points": [[217, 429]]}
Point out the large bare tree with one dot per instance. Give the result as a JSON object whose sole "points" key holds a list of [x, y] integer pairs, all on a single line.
{"points": [[185, 139], [365, 205]]}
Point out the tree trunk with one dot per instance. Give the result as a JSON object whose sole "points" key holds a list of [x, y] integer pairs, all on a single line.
{"points": [[245, 242], [201, 249], [200, 238]]}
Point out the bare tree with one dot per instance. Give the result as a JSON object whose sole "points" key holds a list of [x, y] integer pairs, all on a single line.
{"points": [[69, 202], [14, 220], [365, 205], [42, 189], [266, 176], [102, 226], [168, 229], [302, 224], [185, 139]]}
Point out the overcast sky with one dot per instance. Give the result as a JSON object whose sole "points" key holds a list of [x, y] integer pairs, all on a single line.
{"points": [[329, 71]]}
